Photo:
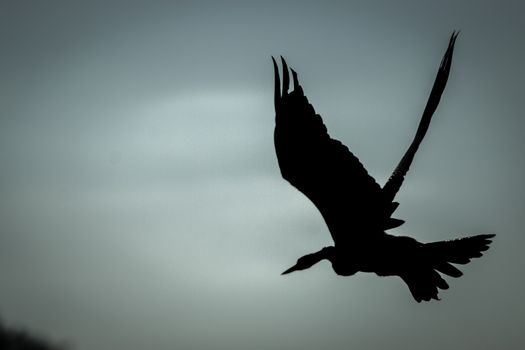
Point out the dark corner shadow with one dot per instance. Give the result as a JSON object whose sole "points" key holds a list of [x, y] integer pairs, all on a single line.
{"points": [[358, 211], [20, 339]]}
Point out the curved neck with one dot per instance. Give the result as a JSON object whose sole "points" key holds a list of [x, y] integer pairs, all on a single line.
{"points": [[327, 253]]}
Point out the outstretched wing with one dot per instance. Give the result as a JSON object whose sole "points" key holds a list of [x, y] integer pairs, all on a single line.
{"points": [[322, 168], [396, 179]]}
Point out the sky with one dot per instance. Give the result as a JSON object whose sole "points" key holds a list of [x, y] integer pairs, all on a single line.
{"points": [[141, 205]]}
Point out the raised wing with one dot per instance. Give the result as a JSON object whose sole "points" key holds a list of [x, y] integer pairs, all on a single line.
{"points": [[396, 179], [322, 168]]}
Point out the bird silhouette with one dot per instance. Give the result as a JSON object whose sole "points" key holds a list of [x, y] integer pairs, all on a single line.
{"points": [[358, 211]]}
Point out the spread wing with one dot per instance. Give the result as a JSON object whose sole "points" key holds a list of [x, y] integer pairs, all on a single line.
{"points": [[396, 179], [325, 170], [322, 168]]}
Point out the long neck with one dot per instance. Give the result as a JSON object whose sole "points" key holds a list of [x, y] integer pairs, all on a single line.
{"points": [[327, 253]]}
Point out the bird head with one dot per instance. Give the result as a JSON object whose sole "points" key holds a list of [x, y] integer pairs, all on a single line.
{"points": [[309, 260]]}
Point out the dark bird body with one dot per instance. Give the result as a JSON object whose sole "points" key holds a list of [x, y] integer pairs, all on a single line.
{"points": [[358, 211]]}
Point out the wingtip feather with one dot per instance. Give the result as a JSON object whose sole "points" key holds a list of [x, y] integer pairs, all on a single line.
{"points": [[277, 85], [286, 76]]}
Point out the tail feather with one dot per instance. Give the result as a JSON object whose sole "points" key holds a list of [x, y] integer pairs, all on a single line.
{"points": [[424, 284], [458, 251], [424, 280], [447, 269]]}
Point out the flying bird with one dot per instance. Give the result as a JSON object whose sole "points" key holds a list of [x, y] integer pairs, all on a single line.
{"points": [[356, 209]]}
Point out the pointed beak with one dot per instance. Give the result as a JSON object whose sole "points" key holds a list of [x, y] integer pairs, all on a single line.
{"points": [[291, 269]]}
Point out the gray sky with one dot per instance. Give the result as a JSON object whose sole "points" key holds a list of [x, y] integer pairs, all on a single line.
{"points": [[141, 206]]}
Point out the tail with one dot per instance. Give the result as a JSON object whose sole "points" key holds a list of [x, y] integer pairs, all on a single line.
{"points": [[424, 279]]}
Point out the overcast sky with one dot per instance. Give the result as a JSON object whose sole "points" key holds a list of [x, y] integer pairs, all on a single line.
{"points": [[141, 206]]}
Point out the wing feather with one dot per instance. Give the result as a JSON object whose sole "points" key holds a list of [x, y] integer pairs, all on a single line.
{"points": [[398, 175], [322, 168], [333, 178]]}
